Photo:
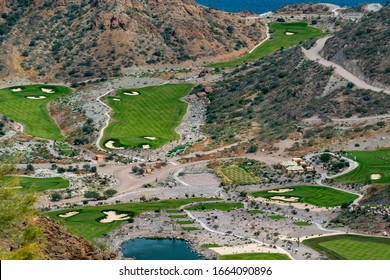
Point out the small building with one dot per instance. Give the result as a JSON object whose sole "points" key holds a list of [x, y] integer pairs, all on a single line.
{"points": [[99, 158], [149, 170], [201, 94], [295, 169], [297, 160], [310, 169], [208, 89]]}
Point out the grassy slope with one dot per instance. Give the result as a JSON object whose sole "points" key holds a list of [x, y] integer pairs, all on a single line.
{"points": [[86, 222], [224, 206], [254, 256], [279, 40], [370, 162], [33, 114], [316, 195], [351, 247], [238, 175], [43, 184], [156, 112]]}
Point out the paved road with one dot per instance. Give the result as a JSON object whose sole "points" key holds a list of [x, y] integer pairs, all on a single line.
{"points": [[313, 54]]}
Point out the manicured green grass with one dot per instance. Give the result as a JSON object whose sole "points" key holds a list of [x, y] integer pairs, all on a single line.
{"points": [[370, 162], [224, 206], [33, 114], [43, 184], [86, 223], [156, 112], [255, 211], [174, 211], [351, 247], [178, 216], [276, 217], [254, 256], [190, 228], [315, 195], [185, 222], [211, 245], [302, 224], [238, 176], [302, 32]]}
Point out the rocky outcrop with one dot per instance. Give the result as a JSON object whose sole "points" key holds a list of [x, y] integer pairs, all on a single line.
{"points": [[59, 244]]}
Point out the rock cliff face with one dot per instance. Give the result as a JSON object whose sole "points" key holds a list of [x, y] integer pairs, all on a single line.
{"points": [[60, 245], [76, 40], [364, 48]]}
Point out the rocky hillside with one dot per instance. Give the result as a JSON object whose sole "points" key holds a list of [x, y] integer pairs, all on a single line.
{"points": [[58, 244], [364, 47], [82, 39], [270, 100]]}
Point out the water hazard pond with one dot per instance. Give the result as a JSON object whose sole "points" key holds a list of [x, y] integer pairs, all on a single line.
{"points": [[159, 249]]}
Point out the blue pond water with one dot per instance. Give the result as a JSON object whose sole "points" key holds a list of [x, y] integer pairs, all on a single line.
{"points": [[159, 249], [262, 6]]}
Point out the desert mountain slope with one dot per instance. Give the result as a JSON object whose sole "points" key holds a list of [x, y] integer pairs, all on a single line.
{"points": [[364, 48], [75, 40]]}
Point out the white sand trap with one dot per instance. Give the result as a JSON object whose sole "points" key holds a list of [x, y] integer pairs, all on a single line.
{"points": [[150, 138], [289, 33], [47, 90], [376, 176], [281, 191], [113, 216], [133, 93], [16, 90], [116, 99], [110, 145], [242, 249], [69, 214], [286, 199], [145, 147], [35, 97]]}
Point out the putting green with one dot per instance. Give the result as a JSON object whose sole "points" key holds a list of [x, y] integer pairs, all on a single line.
{"points": [[43, 184], [370, 162], [149, 118], [315, 195], [280, 39], [16, 103], [87, 225], [351, 247], [237, 175]]}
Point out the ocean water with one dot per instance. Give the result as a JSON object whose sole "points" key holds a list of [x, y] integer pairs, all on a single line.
{"points": [[159, 249], [263, 6]]}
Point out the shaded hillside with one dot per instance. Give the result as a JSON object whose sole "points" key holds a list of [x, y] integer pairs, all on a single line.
{"points": [[59, 244], [364, 47], [269, 100], [81, 39]]}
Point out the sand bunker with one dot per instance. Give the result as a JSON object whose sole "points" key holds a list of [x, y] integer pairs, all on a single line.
{"points": [[375, 176], [145, 147], [133, 93], [113, 216], [289, 33], [116, 99], [281, 191], [242, 249], [47, 90], [36, 97], [287, 199], [110, 145], [150, 138], [16, 90], [69, 214]]}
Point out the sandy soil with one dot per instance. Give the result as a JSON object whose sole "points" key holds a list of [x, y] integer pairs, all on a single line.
{"points": [[34, 97], [287, 199], [16, 90], [110, 145], [146, 147], [150, 138], [375, 176], [69, 214], [113, 216], [281, 191], [116, 99], [296, 204], [246, 248], [289, 33], [47, 90], [133, 93]]}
